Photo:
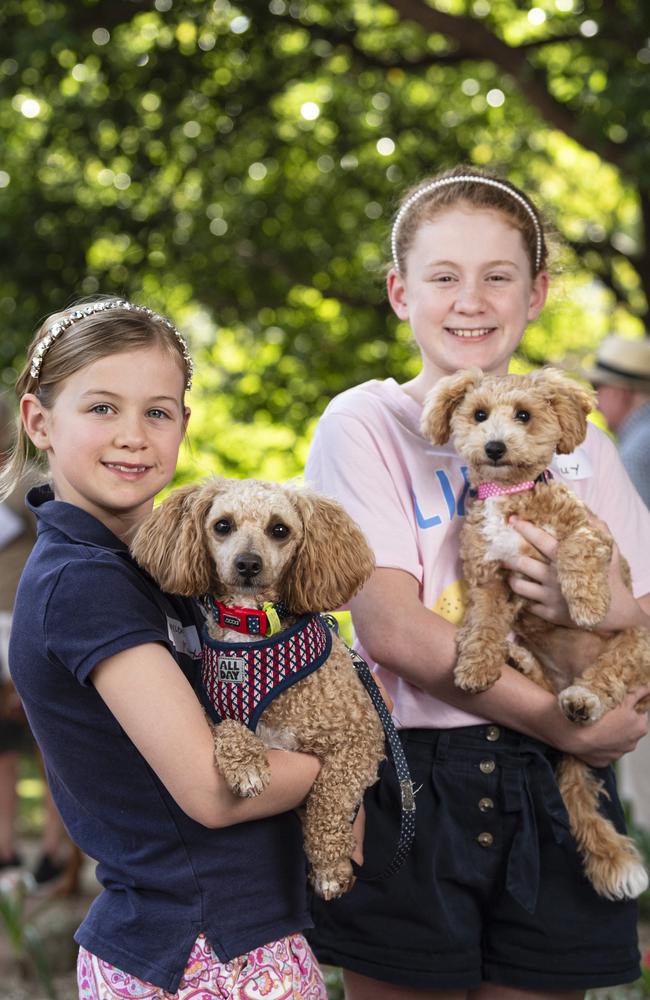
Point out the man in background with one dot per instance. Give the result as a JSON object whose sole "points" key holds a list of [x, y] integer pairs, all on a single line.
{"points": [[621, 377]]}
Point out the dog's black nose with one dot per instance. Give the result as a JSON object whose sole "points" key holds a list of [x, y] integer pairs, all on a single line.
{"points": [[495, 450], [248, 564]]}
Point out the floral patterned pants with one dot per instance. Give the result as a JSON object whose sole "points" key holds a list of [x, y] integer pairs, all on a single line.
{"points": [[282, 970]]}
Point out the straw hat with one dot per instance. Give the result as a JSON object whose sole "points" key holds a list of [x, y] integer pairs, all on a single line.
{"points": [[622, 362]]}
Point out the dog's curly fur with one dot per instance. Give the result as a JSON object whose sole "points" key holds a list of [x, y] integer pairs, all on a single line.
{"points": [[246, 542], [532, 416]]}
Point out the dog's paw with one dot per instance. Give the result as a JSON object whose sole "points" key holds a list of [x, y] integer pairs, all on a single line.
{"points": [[250, 782], [241, 758], [632, 882], [579, 704], [522, 659], [588, 611], [625, 880], [330, 883], [474, 677]]}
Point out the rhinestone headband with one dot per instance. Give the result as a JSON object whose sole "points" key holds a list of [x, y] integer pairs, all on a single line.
{"points": [[464, 179], [91, 309]]}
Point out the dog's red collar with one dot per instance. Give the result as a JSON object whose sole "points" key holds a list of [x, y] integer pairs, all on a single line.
{"points": [[486, 490], [248, 621]]}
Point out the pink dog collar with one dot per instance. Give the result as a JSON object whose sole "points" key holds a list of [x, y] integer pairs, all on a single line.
{"points": [[486, 490]]}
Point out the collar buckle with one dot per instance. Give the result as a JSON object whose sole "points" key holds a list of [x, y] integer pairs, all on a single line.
{"points": [[248, 621]]}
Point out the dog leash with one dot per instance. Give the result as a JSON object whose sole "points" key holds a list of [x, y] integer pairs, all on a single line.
{"points": [[407, 792]]}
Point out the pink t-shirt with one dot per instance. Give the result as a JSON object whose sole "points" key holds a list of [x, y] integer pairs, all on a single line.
{"points": [[408, 497]]}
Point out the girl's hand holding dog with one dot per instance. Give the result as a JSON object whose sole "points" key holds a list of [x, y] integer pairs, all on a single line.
{"points": [[536, 579], [619, 731]]}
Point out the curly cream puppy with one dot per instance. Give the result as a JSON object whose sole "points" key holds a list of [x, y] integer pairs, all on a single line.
{"points": [[247, 544]]}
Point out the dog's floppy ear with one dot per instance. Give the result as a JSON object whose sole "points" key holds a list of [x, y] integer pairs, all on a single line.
{"points": [[571, 403], [170, 543], [443, 399], [334, 559]]}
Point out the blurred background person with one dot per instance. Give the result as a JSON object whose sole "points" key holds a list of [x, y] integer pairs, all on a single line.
{"points": [[17, 535], [621, 377]]}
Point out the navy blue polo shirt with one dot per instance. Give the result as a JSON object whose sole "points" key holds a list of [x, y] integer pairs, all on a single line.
{"points": [[165, 877]]}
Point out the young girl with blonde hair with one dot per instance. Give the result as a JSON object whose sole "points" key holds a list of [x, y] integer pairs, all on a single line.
{"points": [[492, 902], [201, 890]]}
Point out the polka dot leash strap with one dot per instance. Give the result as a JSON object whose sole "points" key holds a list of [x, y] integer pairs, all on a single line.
{"points": [[407, 792]]}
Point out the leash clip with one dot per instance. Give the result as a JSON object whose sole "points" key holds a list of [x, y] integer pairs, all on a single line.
{"points": [[331, 622], [408, 795]]}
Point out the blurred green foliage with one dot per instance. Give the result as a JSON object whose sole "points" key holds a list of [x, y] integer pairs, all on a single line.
{"points": [[236, 165]]}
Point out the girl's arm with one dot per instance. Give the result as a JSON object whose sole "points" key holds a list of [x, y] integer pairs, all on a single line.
{"points": [[154, 703], [415, 643]]}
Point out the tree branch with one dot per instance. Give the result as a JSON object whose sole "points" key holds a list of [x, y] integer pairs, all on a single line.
{"points": [[643, 265], [541, 43], [108, 13], [480, 43], [605, 272], [348, 40]]}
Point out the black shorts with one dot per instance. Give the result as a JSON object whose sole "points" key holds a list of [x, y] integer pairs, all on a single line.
{"points": [[493, 889]]}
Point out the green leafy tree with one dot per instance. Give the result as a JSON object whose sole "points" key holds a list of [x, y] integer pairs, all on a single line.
{"points": [[237, 165]]}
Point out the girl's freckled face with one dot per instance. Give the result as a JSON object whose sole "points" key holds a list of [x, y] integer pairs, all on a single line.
{"points": [[468, 292]]}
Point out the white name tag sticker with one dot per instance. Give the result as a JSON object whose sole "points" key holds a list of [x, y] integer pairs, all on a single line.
{"points": [[573, 466], [231, 669], [186, 640]]}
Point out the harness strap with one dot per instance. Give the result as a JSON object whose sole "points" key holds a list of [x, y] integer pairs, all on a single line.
{"points": [[239, 680], [398, 757]]}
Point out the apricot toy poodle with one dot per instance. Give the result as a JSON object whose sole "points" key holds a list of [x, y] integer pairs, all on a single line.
{"points": [[266, 559], [507, 428]]}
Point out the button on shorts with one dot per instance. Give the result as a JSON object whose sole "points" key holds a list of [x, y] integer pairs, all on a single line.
{"points": [[493, 889]]}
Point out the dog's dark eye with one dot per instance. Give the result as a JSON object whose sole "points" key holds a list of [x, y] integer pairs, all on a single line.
{"points": [[223, 526], [523, 416], [480, 416], [279, 531]]}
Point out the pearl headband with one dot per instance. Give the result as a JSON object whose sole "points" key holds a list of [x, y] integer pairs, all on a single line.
{"points": [[465, 179], [91, 309]]}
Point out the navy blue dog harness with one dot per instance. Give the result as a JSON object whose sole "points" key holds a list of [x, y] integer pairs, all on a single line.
{"points": [[239, 680]]}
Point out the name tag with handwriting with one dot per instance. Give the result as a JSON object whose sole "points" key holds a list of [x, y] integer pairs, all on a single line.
{"points": [[573, 466]]}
